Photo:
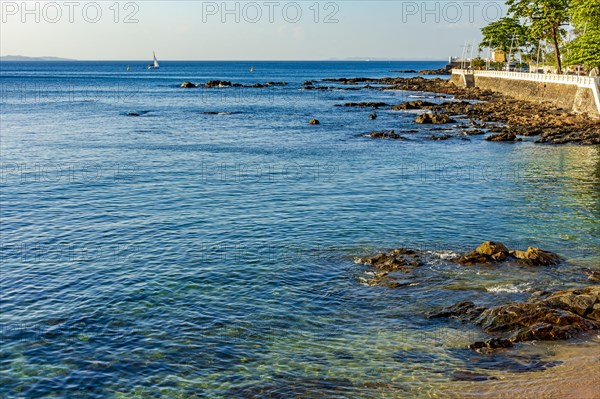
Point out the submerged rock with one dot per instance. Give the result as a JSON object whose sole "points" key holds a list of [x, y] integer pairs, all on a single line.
{"points": [[494, 343], [314, 122], [387, 135], [594, 275], [462, 311], [507, 136], [392, 261], [373, 116], [281, 386], [392, 269], [470, 376], [441, 138]]}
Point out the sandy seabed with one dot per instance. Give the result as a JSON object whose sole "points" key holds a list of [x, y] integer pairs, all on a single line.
{"points": [[577, 377]]}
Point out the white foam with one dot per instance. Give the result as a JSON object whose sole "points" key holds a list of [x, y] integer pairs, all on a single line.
{"points": [[510, 288], [444, 255]]}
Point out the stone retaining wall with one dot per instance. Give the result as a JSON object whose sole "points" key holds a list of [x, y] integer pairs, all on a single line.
{"points": [[563, 95]]}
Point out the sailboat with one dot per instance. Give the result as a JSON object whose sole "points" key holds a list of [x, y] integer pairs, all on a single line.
{"points": [[251, 69], [154, 65]]}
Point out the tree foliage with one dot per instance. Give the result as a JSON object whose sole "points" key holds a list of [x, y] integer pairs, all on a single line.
{"points": [[585, 49], [505, 34], [544, 19]]}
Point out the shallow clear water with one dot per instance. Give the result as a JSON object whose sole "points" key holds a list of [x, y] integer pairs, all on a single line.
{"points": [[178, 254]]}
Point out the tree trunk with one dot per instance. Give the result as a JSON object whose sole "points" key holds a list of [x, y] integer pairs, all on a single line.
{"points": [[556, 50]]}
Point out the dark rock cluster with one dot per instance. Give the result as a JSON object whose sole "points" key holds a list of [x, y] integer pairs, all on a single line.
{"points": [[560, 315], [493, 252], [434, 118]]}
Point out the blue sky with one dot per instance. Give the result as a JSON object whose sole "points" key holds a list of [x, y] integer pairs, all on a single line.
{"points": [[243, 30]]}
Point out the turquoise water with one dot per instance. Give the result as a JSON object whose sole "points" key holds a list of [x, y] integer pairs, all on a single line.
{"points": [[179, 254]]}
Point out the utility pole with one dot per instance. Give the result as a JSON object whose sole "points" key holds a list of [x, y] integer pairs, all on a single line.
{"points": [[462, 58]]}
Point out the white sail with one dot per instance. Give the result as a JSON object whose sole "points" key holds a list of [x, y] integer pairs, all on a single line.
{"points": [[155, 60]]}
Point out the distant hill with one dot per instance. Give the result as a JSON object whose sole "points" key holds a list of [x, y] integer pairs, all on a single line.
{"points": [[23, 58]]}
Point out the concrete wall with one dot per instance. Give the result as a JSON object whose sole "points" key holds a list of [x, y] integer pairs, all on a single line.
{"points": [[584, 102], [568, 96]]}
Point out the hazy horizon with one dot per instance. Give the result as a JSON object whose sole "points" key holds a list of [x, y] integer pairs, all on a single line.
{"points": [[241, 31], [34, 58]]}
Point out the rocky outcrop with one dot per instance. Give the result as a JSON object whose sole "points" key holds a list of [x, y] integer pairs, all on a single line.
{"points": [[366, 105], [487, 252], [373, 116], [437, 119], [536, 257], [585, 136], [493, 252], [217, 83], [440, 71], [392, 269], [509, 115], [419, 104], [507, 136], [561, 315], [314, 122], [188, 85], [387, 264], [211, 84]]}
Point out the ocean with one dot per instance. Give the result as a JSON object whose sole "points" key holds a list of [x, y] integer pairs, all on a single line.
{"points": [[160, 242]]}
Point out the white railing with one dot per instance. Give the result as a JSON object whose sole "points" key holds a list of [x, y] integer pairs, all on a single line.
{"points": [[582, 81]]}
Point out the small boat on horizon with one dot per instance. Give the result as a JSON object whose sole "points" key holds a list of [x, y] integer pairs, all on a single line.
{"points": [[251, 69], [154, 65]]}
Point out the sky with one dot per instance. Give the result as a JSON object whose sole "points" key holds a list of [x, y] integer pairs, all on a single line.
{"points": [[243, 30]]}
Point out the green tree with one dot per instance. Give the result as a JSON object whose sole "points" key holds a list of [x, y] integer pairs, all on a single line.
{"points": [[505, 34], [585, 18], [545, 19]]}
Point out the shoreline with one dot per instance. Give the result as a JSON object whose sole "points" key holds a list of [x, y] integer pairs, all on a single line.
{"points": [[503, 115], [577, 376]]}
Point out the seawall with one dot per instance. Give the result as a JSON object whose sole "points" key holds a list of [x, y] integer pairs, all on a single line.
{"points": [[576, 93]]}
